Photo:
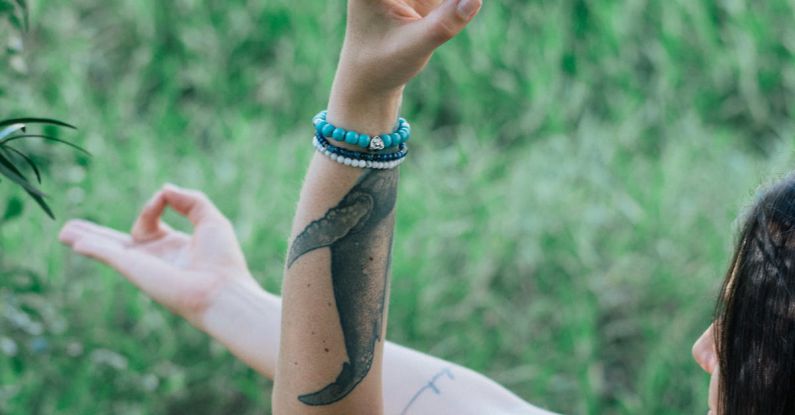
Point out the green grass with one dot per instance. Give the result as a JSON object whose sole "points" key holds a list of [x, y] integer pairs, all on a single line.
{"points": [[564, 220]]}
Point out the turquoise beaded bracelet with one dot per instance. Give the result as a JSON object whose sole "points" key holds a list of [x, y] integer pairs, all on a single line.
{"points": [[398, 136]]}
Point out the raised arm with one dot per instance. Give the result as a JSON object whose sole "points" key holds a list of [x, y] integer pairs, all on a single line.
{"points": [[336, 284]]}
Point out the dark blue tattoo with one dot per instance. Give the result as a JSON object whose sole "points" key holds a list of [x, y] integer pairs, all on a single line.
{"points": [[430, 386], [358, 231]]}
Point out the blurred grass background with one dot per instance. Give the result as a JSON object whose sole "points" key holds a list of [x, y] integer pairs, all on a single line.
{"points": [[564, 220]]}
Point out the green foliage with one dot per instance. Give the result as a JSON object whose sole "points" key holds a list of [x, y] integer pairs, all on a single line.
{"points": [[15, 129], [15, 12], [13, 22], [564, 219]]}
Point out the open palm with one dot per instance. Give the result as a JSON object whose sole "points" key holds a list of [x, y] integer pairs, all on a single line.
{"points": [[180, 271]]}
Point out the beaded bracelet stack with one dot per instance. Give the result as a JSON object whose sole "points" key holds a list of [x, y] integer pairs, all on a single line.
{"points": [[372, 156]]}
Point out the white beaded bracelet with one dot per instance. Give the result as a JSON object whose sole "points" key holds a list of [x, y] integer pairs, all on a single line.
{"points": [[362, 164]]}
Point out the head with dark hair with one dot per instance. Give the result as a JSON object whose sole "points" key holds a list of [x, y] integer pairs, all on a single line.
{"points": [[750, 348]]}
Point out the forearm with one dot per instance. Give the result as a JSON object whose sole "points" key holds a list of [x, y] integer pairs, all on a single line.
{"points": [[419, 384], [336, 285], [336, 281]]}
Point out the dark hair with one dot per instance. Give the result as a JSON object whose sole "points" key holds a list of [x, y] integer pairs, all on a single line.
{"points": [[755, 315]]}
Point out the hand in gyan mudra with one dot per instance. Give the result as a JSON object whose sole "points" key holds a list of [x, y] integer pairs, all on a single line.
{"points": [[183, 272]]}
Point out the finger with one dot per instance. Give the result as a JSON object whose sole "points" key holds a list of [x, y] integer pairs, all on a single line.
{"points": [[148, 273], [148, 225], [76, 228], [191, 203], [102, 249], [442, 24]]}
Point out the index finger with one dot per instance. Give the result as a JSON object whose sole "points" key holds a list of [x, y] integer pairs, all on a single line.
{"points": [[191, 203], [148, 226]]}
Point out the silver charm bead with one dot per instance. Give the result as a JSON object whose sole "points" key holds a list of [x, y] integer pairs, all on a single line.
{"points": [[376, 144]]}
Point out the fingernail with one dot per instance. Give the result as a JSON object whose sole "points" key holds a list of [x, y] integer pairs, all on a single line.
{"points": [[467, 8]]}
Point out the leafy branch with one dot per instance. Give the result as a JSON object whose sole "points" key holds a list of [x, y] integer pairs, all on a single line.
{"points": [[12, 130]]}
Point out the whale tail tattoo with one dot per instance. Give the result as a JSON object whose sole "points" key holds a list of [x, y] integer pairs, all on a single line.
{"points": [[346, 381], [358, 231]]}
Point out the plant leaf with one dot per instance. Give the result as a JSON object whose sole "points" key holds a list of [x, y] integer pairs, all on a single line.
{"points": [[44, 206], [33, 120], [9, 170], [27, 159], [11, 129], [46, 137]]}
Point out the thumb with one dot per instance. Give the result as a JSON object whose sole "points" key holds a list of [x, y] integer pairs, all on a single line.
{"points": [[444, 23]]}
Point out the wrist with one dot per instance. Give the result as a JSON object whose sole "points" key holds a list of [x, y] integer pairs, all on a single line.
{"points": [[220, 299], [246, 319], [371, 113], [361, 100]]}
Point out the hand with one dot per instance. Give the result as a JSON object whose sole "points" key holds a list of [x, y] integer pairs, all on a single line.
{"points": [[182, 272], [387, 43]]}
